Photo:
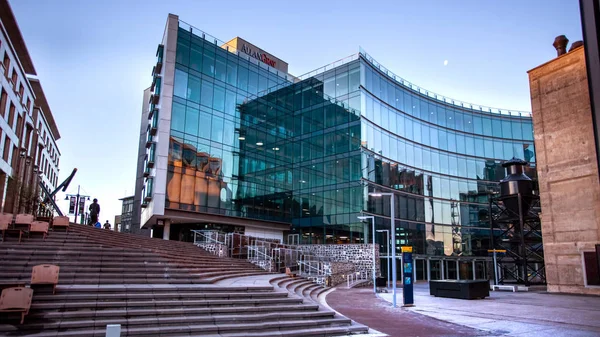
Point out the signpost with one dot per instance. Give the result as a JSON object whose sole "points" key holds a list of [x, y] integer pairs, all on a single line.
{"points": [[407, 281]]}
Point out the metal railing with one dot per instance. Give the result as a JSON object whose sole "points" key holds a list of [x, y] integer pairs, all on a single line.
{"points": [[313, 269], [208, 236], [357, 277], [269, 254], [260, 257]]}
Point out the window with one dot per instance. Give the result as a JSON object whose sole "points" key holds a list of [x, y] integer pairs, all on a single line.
{"points": [[14, 156], [591, 261], [21, 89], [13, 79], [3, 100], [178, 117], [6, 148], [28, 105], [11, 115], [20, 129], [6, 63], [181, 82]]}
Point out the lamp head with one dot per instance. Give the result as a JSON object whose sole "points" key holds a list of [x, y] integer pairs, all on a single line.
{"points": [[375, 194]]}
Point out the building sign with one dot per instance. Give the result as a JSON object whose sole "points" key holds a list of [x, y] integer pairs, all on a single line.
{"points": [[258, 55], [242, 47]]}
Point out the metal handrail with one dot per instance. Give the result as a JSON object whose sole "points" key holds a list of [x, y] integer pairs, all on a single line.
{"points": [[207, 238], [255, 255], [352, 279], [308, 265]]}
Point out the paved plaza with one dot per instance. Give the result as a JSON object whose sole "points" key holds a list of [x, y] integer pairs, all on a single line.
{"points": [[534, 313], [504, 313]]}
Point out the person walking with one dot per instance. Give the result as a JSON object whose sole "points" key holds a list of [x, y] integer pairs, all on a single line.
{"points": [[107, 225], [94, 212]]}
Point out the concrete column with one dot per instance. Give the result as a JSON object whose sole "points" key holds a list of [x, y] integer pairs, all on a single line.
{"points": [[457, 270], [167, 229], [428, 270], [473, 263]]}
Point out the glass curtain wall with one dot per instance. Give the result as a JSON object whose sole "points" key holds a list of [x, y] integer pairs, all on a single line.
{"points": [[247, 142], [442, 161], [304, 141], [204, 147]]}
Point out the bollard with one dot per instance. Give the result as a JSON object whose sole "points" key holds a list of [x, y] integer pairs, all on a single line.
{"points": [[113, 330]]}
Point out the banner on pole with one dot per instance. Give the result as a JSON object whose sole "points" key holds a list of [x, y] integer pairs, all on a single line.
{"points": [[81, 205], [72, 202]]}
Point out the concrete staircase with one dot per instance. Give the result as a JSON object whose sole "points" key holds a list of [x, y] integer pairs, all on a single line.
{"points": [[302, 287], [154, 288]]}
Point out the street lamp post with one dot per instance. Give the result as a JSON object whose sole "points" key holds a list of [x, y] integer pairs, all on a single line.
{"points": [[387, 257], [373, 232], [393, 215]]}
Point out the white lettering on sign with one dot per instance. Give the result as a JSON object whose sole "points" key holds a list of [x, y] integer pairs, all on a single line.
{"points": [[258, 55]]}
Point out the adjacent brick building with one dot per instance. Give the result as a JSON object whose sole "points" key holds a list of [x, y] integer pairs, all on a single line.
{"points": [[567, 170], [29, 154]]}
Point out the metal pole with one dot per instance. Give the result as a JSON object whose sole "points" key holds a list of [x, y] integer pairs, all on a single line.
{"points": [[373, 233], [457, 270], [428, 269], [495, 269], [394, 278], [76, 205], [414, 270], [473, 264], [443, 265], [523, 248], [387, 234], [492, 246]]}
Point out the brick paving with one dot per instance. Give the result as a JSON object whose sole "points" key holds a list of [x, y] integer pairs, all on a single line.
{"points": [[364, 307]]}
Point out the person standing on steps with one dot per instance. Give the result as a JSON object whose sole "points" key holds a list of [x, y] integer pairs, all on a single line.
{"points": [[94, 212]]}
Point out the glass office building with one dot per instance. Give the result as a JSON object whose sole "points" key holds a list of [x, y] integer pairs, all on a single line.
{"points": [[248, 147]]}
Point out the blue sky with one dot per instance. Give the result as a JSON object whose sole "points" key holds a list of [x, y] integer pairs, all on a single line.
{"points": [[94, 58]]}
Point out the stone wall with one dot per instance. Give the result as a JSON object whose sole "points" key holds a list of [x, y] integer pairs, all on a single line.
{"points": [[339, 271], [567, 169], [359, 255]]}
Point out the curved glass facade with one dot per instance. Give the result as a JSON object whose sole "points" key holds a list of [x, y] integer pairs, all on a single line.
{"points": [[442, 160], [247, 141]]}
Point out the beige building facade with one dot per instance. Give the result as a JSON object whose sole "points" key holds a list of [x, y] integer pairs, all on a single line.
{"points": [[567, 171]]}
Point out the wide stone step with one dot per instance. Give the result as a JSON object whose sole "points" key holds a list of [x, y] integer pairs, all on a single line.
{"points": [[145, 288], [239, 318], [195, 330], [28, 265], [102, 253], [119, 281], [171, 273], [8, 261], [224, 328], [181, 311], [73, 297], [101, 269], [161, 303]]}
